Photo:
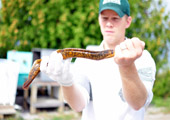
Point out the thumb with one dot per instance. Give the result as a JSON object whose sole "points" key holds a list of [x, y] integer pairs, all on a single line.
{"points": [[44, 63]]}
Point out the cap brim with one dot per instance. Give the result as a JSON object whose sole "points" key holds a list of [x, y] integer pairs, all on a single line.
{"points": [[117, 10]]}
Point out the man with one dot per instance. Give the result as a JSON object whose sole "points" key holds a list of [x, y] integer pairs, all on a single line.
{"points": [[117, 88]]}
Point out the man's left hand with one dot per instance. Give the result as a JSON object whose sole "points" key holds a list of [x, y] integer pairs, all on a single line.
{"points": [[128, 51]]}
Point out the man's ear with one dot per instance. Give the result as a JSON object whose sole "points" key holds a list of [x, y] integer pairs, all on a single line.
{"points": [[129, 20], [99, 19]]}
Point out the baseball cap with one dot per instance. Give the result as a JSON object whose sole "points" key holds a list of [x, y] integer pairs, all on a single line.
{"points": [[121, 7]]}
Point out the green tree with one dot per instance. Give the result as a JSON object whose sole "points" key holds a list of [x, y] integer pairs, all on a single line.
{"points": [[153, 27], [27, 24]]}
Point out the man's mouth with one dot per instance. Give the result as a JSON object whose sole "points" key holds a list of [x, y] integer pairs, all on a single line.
{"points": [[109, 31]]}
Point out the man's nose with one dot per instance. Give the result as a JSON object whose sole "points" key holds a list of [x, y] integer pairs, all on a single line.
{"points": [[109, 24]]}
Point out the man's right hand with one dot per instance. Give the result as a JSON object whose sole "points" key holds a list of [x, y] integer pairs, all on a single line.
{"points": [[57, 69]]}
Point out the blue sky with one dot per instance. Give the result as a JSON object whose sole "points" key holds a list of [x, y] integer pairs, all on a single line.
{"points": [[0, 3], [167, 3]]}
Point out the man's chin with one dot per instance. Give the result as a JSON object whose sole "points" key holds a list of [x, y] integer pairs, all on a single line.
{"points": [[110, 38]]}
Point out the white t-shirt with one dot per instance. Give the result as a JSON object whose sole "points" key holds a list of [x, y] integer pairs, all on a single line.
{"points": [[102, 81]]}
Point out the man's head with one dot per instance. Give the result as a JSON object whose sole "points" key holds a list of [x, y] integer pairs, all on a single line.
{"points": [[114, 19], [121, 7]]}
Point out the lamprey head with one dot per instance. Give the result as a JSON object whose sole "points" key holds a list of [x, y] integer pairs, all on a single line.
{"points": [[33, 73]]}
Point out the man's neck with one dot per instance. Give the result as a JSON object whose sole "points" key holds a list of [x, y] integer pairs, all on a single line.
{"points": [[106, 46], [111, 45]]}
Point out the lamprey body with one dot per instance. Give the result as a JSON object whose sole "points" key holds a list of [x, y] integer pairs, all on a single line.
{"points": [[69, 53]]}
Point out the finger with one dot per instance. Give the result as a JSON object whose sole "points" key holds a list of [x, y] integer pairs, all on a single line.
{"points": [[138, 43], [123, 46], [129, 44], [67, 63], [142, 47], [55, 61], [44, 63], [118, 53], [58, 64], [66, 68]]}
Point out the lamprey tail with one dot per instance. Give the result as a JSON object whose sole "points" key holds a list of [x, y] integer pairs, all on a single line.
{"points": [[69, 53]]}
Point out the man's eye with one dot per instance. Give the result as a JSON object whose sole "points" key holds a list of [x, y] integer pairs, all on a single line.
{"points": [[104, 18], [115, 18]]}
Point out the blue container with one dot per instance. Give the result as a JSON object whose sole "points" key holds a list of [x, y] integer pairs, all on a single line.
{"points": [[25, 60], [21, 79]]}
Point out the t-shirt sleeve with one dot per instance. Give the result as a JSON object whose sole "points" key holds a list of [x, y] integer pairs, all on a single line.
{"points": [[147, 69]]}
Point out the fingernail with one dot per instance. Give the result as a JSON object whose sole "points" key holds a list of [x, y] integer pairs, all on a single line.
{"points": [[143, 43]]}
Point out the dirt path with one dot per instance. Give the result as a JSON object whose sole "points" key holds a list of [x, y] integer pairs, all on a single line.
{"points": [[154, 113]]}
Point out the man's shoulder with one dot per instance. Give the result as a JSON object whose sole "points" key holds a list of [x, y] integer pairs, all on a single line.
{"points": [[146, 61], [93, 47], [146, 55]]}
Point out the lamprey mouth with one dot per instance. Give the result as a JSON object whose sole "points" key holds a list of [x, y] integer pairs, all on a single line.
{"points": [[69, 53]]}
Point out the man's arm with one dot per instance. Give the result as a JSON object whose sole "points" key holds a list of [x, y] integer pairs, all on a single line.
{"points": [[76, 96], [59, 70], [134, 90]]}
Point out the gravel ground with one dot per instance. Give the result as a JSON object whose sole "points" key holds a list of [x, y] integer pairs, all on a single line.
{"points": [[154, 113]]}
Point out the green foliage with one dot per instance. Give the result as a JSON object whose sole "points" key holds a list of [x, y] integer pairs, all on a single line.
{"points": [[162, 84], [159, 102], [152, 26], [27, 24], [64, 117]]}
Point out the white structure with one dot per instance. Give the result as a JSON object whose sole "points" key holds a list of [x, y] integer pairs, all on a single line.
{"points": [[8, 81]]}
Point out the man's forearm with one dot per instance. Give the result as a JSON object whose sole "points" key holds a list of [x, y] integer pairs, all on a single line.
{"points": [[74, 97], [134, 90]]}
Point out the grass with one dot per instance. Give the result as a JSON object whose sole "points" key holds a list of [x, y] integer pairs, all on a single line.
{"points": [[162, 102], [13, 118], [64, 117], [50, 116]]}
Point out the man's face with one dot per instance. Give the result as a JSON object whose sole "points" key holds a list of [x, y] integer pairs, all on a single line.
{"points": [[113, 27]]}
